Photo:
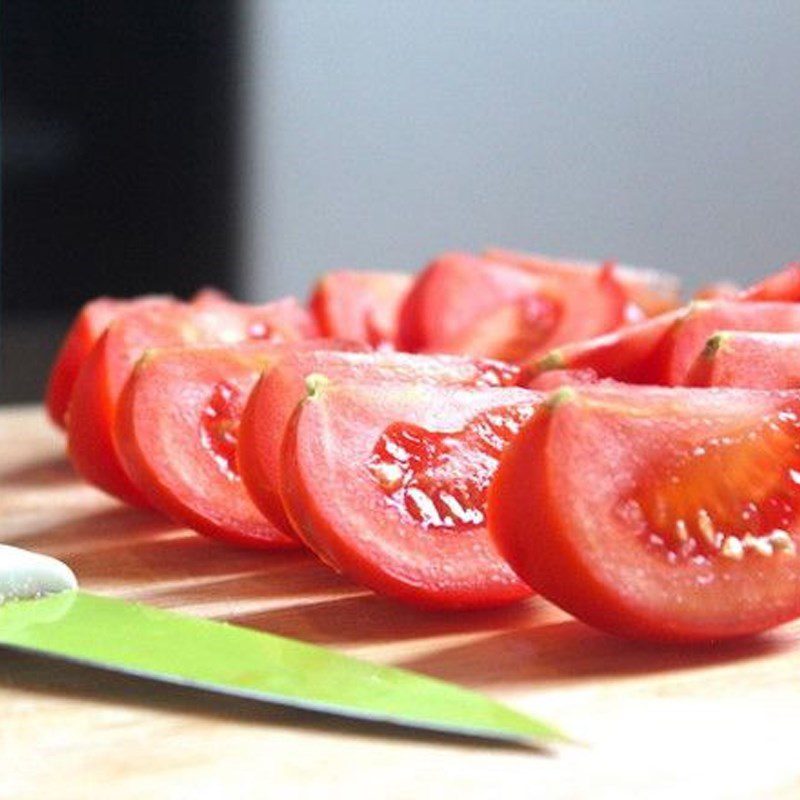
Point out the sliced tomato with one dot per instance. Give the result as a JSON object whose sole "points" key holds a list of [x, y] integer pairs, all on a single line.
{"points": [[86, 329], [386, 483], [629, 354], [748, 360], [652, 291], [687, 338], [653, 513], [176, 432], [158, 324], [273, 401], [361, 306], [782, 286], [473, 306]]}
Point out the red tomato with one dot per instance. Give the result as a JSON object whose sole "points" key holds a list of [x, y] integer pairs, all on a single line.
{"points": [[176, 432], [688, 336], [667, 514], [783, 286], [653, 291], [386, 483], [157, 324], [82, 336], [749, 360], [277, 394], [469, 305], [628, 354], [360, 306]]}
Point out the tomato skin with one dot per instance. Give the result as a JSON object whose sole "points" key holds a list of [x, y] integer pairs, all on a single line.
{"points": [[557, 378], [81, 337], [360, 306], [272, 402], [553, 513], [359, 532], [652, 291], [161, 438], [748, 359]]}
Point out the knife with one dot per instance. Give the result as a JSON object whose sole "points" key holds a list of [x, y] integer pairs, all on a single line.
{"points": [[43, 612]]}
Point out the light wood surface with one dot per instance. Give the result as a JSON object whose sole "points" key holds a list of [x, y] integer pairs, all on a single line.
{"points": [[656, 722]]}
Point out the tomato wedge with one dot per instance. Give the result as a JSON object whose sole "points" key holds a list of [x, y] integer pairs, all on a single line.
{"points": [[360, 306], [556, 378], [630, 354], [165, 323], [687, 338], [473, 306], [86, 329], [651, 290], [273, 401], [176, 432], [653, 513], [749, 360], [386, 483]]}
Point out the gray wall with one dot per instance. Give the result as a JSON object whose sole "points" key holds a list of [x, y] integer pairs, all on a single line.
{"points": [[379, 133]]}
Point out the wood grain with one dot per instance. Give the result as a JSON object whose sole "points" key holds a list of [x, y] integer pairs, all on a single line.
{"points": [[655, 721]]}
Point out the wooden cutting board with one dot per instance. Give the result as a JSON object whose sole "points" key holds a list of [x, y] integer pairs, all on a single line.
{"points": [[706, 722]]}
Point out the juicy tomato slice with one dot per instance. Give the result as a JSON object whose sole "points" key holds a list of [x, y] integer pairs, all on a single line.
{"points": [[472, 306], [782, 286], [386, 483], [176, 432], [360, 306], [651, 290], [630, 354], [748, 360], [666, 514], [164, 323], [273, 401], [83, 334], [687, 338]]}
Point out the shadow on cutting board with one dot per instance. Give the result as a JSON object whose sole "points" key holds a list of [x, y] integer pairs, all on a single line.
{"points": [[21, 672]]}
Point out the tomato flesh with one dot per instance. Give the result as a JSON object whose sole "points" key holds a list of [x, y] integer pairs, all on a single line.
{"points": [[654, 513], [415, 460], [440, 479]]}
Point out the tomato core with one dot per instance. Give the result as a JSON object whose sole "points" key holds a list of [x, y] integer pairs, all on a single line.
{"points": [[735, 496], [422, 474], [219, 428]]}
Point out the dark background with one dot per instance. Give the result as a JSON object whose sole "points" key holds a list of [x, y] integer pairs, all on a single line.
{"points": [[118, 162]]}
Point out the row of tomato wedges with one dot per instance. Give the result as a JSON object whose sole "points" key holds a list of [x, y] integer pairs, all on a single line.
{"points": [[494, 426]]}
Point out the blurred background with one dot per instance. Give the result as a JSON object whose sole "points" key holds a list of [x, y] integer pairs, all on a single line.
{"points": [[161, 146]]}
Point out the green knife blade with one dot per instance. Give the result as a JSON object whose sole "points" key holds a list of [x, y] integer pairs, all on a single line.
{"points": [[149, 642]]}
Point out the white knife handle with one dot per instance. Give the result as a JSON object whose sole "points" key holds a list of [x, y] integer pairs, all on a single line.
{"points": [[25, 575]]}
